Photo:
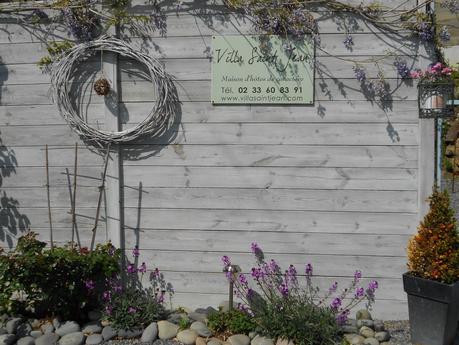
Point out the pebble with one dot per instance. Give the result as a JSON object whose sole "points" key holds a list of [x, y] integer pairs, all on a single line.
{"points": [[167, 330], [74, 338], [177, 317], [214, 341], [368, 323], [378, 326], [252, 335], [370, 341], [67, 328], [36, 334], [201, 329], [259, 340], [7, 339], [94, 315], [282, 341], [209, 310], [23, 330], [12, 325], [201, 341], [367, 332], [382, 336], [150, 333], [94, 339], [197, 316], [357, 340], [187, 336], [105, 323], [56, 323], [47, 339], [26, 341], [93, 327], [129, 334], [239, 339], [363, 314], [47, 328], [349, 329], [35, 323], [109, 333]]}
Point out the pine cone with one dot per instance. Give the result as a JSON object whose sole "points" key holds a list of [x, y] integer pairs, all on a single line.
{"points": [[102, 87]]}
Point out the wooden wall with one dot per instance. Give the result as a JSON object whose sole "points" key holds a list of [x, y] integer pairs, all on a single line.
{"points": [[336, 184]]}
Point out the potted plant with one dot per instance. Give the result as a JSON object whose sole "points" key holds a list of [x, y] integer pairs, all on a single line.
{"points": [[436, 90], [432, 282]]}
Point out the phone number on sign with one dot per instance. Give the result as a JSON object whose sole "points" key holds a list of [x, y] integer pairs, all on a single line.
{"points": [[259, 90]]}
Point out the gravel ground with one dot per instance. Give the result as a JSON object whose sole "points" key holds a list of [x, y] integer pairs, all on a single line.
{"points": [[399, 331]]}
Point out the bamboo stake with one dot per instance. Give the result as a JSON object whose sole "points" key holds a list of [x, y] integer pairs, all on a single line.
{"points": [[49, 200], [74, 224], [99, 202]]}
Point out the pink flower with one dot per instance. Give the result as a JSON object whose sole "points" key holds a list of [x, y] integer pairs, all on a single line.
{"points": [[437, 67], [447, 70]]}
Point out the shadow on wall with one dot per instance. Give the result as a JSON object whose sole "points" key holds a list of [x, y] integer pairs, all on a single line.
{"points": [[12, 221], [3, 77]]}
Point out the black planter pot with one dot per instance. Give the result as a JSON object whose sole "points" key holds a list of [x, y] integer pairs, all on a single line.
{"points": [[434, 310]]}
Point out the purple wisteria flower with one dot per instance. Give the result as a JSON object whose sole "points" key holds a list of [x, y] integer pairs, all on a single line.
{"points": [[402, 69], [451, 5], [348, 42], [425, 31], [89, 284], [360, 74], [135, 252]]}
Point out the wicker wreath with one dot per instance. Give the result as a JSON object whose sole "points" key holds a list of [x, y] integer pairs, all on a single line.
{"points": [[158, 121]]}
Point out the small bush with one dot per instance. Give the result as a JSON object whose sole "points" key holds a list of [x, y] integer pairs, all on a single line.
{"points": [[433, 253], [234, 321], [132, 306], [282, 307], [41, 282]]}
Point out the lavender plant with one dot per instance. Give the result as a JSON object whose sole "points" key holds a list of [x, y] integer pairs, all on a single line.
{"points": [[283, 307], [129, 305]]}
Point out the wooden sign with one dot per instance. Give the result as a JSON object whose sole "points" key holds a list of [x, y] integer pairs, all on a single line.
{"points": [[262, 70]]}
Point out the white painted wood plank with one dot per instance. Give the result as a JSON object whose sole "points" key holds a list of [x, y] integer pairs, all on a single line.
{"points": [[273, 178], [204, 112], [272, 221], [278, 155], [197, 47], [247, 134], [324, 265], [426, 163], [273, 242], [274, 199]]}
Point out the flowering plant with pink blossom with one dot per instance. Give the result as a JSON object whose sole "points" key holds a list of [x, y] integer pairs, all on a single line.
{"points": [[131, 305], [277, 300], [437, 72]]}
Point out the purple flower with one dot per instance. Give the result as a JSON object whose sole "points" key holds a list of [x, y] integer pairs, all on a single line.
{"points": [[359, 292], [257, 273], [243, 280], [373, 285], [107, 295], [256, 250], [336, 303], [131, 269], [402, 69], [290, 275], [357, 276], [226, 261], [109, 309], [308, 270], [425, 31], [90, 285], [283, 289], [135, 252], [142, 268], [341, 318], [273, 266], [132, 310], [333, 288], [348, 42], [360, 74]]}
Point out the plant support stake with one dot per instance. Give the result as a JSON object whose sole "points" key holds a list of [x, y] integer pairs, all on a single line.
{"points": [[49, 201], [101, 192], [74, 225]]}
